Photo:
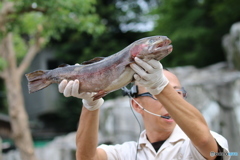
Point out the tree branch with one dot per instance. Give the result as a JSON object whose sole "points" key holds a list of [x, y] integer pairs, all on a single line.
{"points": [[7, 9], [10, 53], [2, 73], [33, 50], [30, 9]]}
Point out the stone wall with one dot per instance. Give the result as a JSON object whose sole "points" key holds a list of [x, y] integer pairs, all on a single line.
{"points": [[61, 148], [119, 122], [231, 45], [215, 91]]}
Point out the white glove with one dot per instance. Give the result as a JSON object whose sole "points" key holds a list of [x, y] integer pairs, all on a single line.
{"points": [[150, 75], [71, 89]]}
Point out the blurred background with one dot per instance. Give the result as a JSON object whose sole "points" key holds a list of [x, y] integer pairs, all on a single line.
{"points": [[44, 34]]}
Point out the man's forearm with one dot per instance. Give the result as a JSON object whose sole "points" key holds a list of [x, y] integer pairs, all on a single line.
{"points": [[184, 114], [87, 134], [189, 119]]}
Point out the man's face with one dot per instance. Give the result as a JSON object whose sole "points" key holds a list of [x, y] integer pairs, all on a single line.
{"points": [[154, 106]]}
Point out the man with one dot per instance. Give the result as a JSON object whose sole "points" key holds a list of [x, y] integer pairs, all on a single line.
{"points": [[184, 136]]}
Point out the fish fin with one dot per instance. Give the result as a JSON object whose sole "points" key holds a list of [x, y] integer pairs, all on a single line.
{"points": [[136, 50], [96, 59], [37, 80], [99, 95], [63, 65]]}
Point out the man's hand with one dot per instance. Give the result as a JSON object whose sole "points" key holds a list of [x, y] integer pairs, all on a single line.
{"points": [[71, 89], [150, 75]]}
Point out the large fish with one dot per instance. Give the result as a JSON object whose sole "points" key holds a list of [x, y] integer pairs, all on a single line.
{"points": [[103, 75]]}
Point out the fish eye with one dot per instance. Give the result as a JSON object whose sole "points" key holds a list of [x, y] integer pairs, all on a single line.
{"points": [[151, 41]]}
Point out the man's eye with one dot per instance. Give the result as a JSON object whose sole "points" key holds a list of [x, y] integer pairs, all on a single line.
{"points": [[179, 92]]}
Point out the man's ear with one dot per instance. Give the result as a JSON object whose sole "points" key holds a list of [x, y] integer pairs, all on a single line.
{"points": [[136, 106]]}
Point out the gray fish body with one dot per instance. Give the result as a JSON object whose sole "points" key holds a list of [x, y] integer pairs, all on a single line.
{"points": [[106, 75]]}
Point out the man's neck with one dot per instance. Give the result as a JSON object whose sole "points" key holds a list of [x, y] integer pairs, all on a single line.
{"points": [[154, 136]]}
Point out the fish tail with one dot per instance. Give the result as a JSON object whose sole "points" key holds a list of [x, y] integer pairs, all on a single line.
{"points": [[37, 80]]}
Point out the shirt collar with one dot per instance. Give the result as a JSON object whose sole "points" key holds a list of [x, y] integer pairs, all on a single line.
{"points": [[177, 135]]}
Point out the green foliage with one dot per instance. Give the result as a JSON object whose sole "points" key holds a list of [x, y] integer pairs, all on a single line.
{"points": [[225, 8], [28, 23], [61, 14], [46, 19], [80, 47], [20, 46], [196, 29], [50, 19]]}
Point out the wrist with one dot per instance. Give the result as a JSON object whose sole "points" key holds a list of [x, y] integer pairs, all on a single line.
{"points": [[93, 105], [161, 85]]}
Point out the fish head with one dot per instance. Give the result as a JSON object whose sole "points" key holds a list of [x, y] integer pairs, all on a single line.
{"points": [[155, 47]]}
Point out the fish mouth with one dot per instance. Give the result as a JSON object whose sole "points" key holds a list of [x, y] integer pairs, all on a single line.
{"points": [[163, 43], [162, 48], [157, 50]]}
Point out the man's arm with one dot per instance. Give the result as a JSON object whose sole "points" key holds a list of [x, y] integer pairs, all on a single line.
{"points": [[150, 75], [190, 120], [87, 137], [87, 133]]}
